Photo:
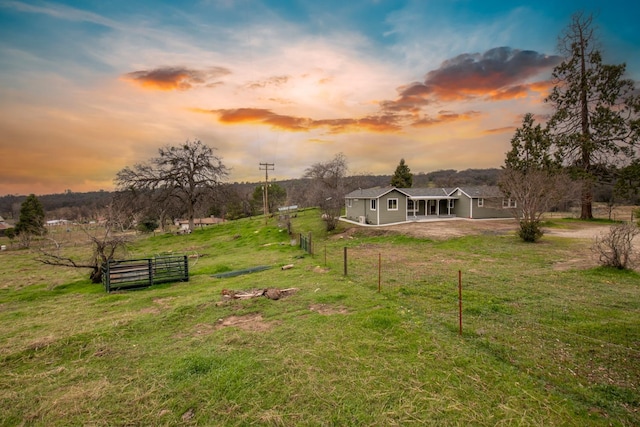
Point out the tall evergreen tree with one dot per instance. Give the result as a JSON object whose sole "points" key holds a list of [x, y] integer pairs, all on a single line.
{"points": [[402, 177], [596, 123], [31, 220]]}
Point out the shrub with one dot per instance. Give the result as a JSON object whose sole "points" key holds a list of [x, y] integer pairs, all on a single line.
{"points": [[530, 231], [615, 248]]}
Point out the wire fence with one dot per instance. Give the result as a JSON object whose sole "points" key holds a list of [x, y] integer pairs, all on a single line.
{"points": [[481, 302]]}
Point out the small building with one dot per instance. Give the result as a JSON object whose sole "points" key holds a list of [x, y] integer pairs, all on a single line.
{"points": [[198, 222], [4, 226], [389, 205]]}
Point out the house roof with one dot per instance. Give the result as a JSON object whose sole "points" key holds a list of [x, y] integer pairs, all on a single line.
{"points": [[432, 193], [484, 191], [373, 193], [427, 193]]}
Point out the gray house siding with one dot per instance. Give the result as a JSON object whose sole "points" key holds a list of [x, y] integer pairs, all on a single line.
{"points": [[389, 216], [492, 208], [462, 206], [392, 204]]}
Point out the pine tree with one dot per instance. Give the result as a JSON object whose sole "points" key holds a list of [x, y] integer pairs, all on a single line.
{"points": [[597, 112], [31, 222], [402, 177]]}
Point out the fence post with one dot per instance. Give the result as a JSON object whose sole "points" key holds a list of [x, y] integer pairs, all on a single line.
{"points": [[310, 244], [150, 265], [186, 268], [460, 301], [108, 277], [379, 271], [345, 261]]}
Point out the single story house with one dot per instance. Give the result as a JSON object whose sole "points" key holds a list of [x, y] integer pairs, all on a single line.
{"points": [[388, 205]]}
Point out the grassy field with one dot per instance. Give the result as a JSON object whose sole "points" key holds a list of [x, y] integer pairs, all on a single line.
{"points": [[542, 344]]}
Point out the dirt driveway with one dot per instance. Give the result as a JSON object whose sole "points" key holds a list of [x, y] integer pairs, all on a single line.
{"points": [[459, 227]]}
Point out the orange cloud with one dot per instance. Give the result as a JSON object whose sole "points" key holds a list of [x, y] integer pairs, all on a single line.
{"points": [[382, 123], [176, 78], [506, 129], [445, 117]]}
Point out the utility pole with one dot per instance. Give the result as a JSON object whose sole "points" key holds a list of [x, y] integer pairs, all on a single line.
{"points": [[266, 167]]}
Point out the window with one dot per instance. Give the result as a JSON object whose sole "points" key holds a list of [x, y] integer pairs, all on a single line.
{"points": [[480, 203], [349, 203], [508, 203], [392, 204], [451, 203], [373, 204], [410, 205]]}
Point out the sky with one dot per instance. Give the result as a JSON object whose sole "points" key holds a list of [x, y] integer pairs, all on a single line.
{"points": [[88, 87]]}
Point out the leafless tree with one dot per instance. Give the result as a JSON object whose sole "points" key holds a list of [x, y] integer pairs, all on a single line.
{"points": [[105, 247], [327, 188], [183, 172], [615, 248]]}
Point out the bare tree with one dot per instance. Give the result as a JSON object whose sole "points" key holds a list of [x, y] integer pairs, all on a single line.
{"points": [[532, 178], [327, 187], [615, 248], [183, 172], [105, 247]]}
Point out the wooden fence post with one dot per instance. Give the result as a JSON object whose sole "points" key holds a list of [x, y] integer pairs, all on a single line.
{"points": [[345, 260]]}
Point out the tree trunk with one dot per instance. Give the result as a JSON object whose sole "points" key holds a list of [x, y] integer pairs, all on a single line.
{"points": [[586, 202], [96, 275]]}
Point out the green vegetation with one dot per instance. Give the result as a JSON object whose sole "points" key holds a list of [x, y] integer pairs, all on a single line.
{"points": [[542, 343]]}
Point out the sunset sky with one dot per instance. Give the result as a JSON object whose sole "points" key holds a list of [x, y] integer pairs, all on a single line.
{"points": [[88, 87]]}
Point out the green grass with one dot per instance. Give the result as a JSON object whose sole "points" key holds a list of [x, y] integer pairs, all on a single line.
{"points": [[540, 345]]}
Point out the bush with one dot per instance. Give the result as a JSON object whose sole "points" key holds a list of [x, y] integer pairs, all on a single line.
{"points": [[530, 231], [147, 225], [615, 249]]}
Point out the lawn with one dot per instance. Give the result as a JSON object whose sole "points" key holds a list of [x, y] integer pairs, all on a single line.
{"points": [[540, 344]]}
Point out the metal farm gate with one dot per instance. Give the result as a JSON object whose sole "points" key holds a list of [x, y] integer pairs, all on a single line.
{"points": [[141, 273]]}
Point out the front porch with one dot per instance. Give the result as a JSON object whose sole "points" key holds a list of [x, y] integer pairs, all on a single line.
{"points": [[423, 208]]}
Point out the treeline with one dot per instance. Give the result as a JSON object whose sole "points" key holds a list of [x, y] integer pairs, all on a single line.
{"points": [[238, 199]]}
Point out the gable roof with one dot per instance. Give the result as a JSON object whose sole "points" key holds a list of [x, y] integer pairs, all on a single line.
{"points": [[374, 193], [433, 193]]}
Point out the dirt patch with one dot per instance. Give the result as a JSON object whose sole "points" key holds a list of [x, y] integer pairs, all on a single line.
{"points": [[249, 322], [328, 309], [459, 227], [436, 230]]}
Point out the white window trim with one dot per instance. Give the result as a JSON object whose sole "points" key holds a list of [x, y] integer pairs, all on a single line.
{"points": [[509, 203], [480, 202], [373, 204], [389, 208], [349, 203], [452, 203]]}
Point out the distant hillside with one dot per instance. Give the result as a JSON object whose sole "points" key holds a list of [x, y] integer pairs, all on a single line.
{"points": [[78, 206]]}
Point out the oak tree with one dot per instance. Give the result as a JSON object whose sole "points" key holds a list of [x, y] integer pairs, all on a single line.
{"points": [[186, 172]]}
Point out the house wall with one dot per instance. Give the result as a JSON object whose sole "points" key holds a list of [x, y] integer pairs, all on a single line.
{"points": [[492, 209], [390, 216], [358, 208], [462, 207]]}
